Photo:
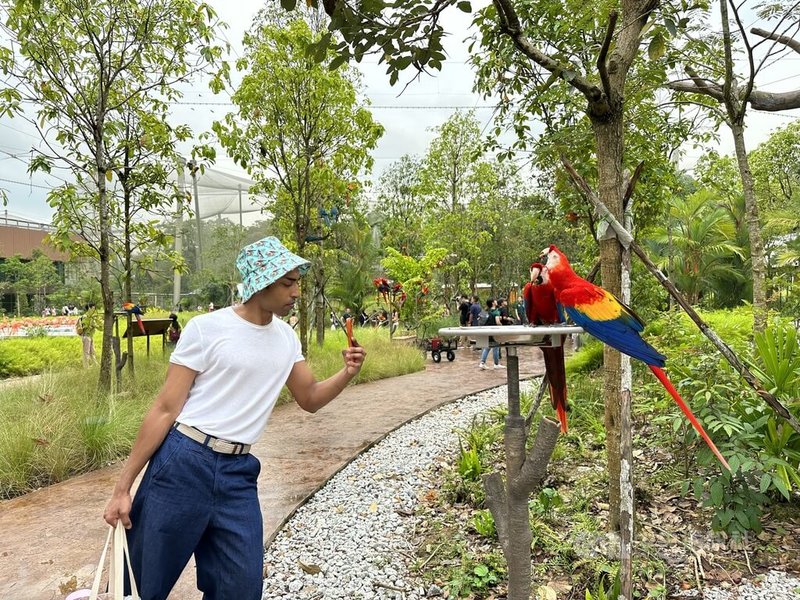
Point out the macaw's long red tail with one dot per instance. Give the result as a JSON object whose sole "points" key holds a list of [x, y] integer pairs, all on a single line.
{"points": [[141, 325], [557, 378], [662, 377]]}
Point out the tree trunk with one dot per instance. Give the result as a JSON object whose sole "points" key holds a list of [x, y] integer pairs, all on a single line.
{"points": [[757, 258], [319, 303], [128, 292], [305, 302], [509, 503], [608, 135], [104, 380], [626, 440]]}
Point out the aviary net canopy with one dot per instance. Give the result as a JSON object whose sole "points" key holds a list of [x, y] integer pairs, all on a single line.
{"points": [[221, 193]]}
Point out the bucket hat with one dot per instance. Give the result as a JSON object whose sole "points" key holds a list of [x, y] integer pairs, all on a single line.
{"points": [[264, 262]]}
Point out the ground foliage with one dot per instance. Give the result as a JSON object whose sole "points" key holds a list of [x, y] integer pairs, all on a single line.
{"points": [[689, 530]]}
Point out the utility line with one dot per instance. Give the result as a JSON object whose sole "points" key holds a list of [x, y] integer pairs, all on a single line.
{"points": [[27, 184]]}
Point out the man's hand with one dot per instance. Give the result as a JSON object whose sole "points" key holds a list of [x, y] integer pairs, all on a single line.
{"points": [[118, 509], [353, 358]]}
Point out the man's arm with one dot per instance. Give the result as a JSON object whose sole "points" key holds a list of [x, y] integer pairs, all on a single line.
{"points": [[155, 426], [311, 394]]}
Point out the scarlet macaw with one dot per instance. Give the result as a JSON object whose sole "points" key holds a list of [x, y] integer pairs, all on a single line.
{"points": [[540, 308], [136, 310], [603, 316]]}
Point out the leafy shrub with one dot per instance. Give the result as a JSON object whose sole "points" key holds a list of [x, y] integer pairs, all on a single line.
{"points": [[476, 576], [588, 358], [30, 355], [605, 589], [546, 501], [469, 463], [778, 360], [738, 506], [483, 523], [763, 450]]}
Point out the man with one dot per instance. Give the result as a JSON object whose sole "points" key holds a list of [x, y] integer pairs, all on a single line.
{"points": [[505, 317], [474, 311], [463, 318], [198, 494]]}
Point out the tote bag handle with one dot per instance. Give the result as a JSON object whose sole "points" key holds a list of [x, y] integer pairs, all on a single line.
{"points": [[119, 555]]}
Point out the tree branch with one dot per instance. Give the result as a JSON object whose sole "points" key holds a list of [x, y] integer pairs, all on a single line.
{"points": [[698, 85], [781, 39], [602, 66], [496, 501], [510, 26], [535, 467]]}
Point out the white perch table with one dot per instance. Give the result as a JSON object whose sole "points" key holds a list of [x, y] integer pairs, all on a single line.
{"points": [[511, 336]]}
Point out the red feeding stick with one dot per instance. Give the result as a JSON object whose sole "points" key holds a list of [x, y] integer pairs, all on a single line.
{"points": [[348, 327]]}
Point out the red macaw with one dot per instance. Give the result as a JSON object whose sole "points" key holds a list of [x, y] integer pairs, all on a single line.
{"points": [[540, 308], [136, 310], [603, 316]]}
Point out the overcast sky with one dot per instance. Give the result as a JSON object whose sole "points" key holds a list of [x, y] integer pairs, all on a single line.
{"points": [[407, 119]]}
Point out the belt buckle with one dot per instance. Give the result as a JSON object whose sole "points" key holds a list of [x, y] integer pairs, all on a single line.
{"points": [[222, 446]]}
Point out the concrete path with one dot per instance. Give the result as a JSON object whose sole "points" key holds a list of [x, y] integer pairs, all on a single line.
{"points": [[54, 535]]}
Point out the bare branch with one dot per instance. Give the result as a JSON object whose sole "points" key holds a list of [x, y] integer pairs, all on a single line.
{"points": [[781, 39], [602, 66]]}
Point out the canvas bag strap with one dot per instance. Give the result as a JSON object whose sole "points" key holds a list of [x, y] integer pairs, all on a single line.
{"points": [[119, 554]]}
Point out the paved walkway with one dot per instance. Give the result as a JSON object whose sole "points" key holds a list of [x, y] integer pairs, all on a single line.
{"points": [[51, 535]]}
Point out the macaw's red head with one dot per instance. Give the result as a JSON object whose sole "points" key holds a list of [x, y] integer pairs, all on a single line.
{"points": [[555, 263]]}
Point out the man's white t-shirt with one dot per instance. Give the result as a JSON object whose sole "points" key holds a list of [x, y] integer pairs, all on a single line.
{"points": [[241, 368]]}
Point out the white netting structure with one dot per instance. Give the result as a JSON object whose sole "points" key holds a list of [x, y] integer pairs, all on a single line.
{"points": [[221, 193]]}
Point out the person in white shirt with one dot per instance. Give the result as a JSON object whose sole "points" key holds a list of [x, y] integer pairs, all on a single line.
{"points": [[198, 495]]}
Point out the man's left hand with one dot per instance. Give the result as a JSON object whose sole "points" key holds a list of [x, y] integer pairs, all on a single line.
{"points": [[353, 358]]}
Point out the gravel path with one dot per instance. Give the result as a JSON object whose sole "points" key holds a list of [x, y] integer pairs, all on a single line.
{"points": [[350, 540], [351, 531]]}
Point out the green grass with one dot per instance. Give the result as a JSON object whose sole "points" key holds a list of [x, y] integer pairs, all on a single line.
{"points": [[56, 426], [23, 356]]}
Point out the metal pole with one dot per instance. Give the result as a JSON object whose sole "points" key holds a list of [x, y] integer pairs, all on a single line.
{"points": [[193, 167], [176, 274], [240, 207], [512, 374]]}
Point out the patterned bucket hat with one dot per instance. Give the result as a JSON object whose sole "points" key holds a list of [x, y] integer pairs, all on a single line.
{"points": [[264, 262]]}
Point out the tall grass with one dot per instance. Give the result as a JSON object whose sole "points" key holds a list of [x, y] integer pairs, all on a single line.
{"points": [[56, 425]]}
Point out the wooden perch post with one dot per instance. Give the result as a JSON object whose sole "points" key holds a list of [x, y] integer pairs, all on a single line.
{"points": [[508, 502], [626, 239]]}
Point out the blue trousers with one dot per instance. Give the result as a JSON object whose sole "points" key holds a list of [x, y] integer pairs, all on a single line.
{"points": [[495, 354], [193, 500]]}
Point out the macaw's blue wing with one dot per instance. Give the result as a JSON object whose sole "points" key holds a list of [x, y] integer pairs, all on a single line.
{"points": [[613, 323]]}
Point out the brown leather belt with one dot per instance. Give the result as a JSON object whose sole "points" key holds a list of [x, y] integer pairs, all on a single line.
{"points": [[216, 444]]}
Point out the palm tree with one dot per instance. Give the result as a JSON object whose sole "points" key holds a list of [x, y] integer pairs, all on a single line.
{"points": [[704, 245], [351, 283]]}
